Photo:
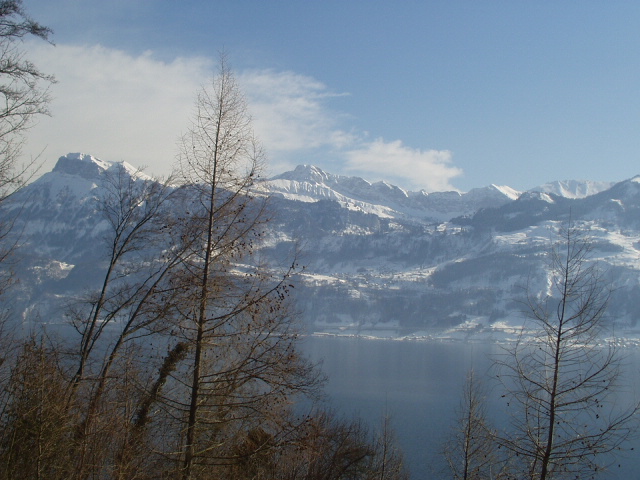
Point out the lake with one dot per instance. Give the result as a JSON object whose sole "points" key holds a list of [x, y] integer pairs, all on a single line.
{"points": [[419, 384]]}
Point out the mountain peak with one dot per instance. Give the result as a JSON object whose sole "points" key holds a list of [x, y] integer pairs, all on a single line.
{"points": [[505, 190], [81, 164], [90, 167], [573, 188], [305, 173]]}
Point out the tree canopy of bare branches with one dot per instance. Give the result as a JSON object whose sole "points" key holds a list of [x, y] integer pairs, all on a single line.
{"points": [[185, 361]]}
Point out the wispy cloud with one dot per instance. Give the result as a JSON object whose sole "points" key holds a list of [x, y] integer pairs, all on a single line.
{"points": [[291, 117], [431, 170], [133, 108]]}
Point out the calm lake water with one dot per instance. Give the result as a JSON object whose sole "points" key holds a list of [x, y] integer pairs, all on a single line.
{"points": [[419, 385]]}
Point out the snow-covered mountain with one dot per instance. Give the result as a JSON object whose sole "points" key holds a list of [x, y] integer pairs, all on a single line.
{"points": [[309, 184], [573, 188], [379, 260]]}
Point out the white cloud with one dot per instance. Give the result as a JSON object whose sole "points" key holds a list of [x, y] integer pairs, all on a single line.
{"points": [[410, 168], [290, 115], [114, 105], [121, 107]]}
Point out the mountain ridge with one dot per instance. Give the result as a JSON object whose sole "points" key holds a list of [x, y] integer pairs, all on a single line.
{"points": [[309, 183], [379, 260]]}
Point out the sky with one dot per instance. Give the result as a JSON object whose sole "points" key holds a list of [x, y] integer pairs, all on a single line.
{"points": [[429, 94]]}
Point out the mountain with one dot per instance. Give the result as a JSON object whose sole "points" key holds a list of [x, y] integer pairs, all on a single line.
{"points": [[379, 260], [309, 184], [61, 244], [573, 188]]}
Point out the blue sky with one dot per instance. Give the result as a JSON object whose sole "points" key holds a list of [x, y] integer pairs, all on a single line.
{"points": [[425, 94]]}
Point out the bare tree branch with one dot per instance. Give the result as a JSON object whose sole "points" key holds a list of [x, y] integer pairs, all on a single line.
{"points": [[560, 383]]}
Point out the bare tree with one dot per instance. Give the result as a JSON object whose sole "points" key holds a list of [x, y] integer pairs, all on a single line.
{"points": [[35, 426], [470, 450], [26, 378], [219, 159], [388, 461], [326, 447], [134, 209], [232, 323], [561, 382], [130, 303], [24, 91]]}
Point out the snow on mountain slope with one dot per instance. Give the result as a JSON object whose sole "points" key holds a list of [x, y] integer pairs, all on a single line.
{"points": [[308, 183], [90, 167], [376, 256], [60, 201], [75, 175], [573, 188], [60, 233], [470, 271]]}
